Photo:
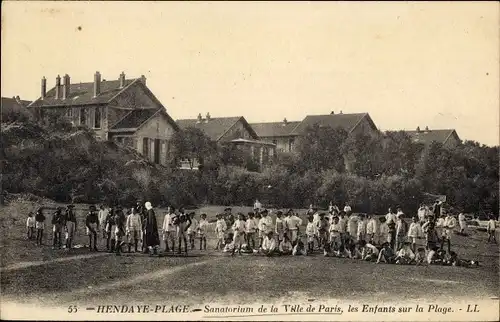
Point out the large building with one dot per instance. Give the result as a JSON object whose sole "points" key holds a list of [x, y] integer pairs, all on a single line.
{"points": [[284, 134], [232, 130], [448, 137], [123, 110]]}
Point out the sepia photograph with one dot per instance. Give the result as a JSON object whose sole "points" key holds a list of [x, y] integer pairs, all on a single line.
{"points": [[256, 160]]}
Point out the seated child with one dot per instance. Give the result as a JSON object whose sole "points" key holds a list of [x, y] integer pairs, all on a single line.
{"points": [[246, 249], [350, 249], [369, 251], [455, 261], [299, 248], [405, 255], [285, 247], [386, 254], [269, 247], [420, 256]]}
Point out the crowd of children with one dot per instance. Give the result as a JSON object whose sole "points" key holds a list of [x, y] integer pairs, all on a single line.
{"points": [[336, 233]]}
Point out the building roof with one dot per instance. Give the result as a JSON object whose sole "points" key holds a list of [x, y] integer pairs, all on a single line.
{"points": [[428, 136], [257, 142], [135, 118], [215, 127], [346, 121], [83, 93], [274, 129], [13, 102]]}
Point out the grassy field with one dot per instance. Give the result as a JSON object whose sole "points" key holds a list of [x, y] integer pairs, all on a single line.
{"points": [[31, 273]]}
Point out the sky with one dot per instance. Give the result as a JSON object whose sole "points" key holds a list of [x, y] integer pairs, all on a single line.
{"points": [[406, 64]]}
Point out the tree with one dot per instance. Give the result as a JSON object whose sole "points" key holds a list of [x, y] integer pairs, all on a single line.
{"points": [[194, 145], [321, 148]]}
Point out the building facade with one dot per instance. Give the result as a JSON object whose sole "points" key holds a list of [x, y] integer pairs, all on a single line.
{"points": [[122, 110]]}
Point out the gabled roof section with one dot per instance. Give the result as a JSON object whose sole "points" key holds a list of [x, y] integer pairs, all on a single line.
{"points": [[83, 94], [428, 136], [13, 102], [135, 118], [274, 129], [346, 121], [215, 127]]}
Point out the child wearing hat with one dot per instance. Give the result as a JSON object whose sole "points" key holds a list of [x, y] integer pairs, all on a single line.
{"points": [[39, 225], [30, 226], [220, 229], [92, 224]]}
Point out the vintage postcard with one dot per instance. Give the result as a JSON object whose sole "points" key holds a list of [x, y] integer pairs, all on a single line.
{"points": [[250, 161]]}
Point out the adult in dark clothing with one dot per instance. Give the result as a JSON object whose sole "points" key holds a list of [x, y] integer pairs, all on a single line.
{"points": [[110, 229], [92, 224], [40, 226], [119, 220], [57, 224], [151, 237], [182, 222], [70, 226], [229, 217]]}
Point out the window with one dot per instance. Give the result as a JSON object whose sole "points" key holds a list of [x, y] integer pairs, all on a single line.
{"points": [[145, 147], [83, 116], [97, 118], [290, 144]]}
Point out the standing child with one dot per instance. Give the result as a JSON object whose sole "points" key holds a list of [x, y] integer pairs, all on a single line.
{"points": [[220, 229], [30, 226], [462, 223], [322, 231], [342, 227], [202, 230], [279, 227], [449, 225], [119, 233], [401, 230], [414, 232], [103, 214], [191, 231], [352, 225], [431, 236], [183, 225], [361, 229], [391, 235], [40, 226], [371, 230], [168, 228], [384, 235], [311, 231], [491, 229], [265, 225], [70, 226], [57, 225], [110, 229], [92, 224], [334, 230], [251, 228], [133, 228], [294, 224], [239, 228]]}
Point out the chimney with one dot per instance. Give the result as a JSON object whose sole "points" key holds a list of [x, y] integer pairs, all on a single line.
{"points": [[418, 128], [58, 87], [208, 117], [427, 129], [332, 113], [143, 79], [285, 121], [200, 118], [44, 87], [66, 82], [122, 80], [341, 112], [97, 84]]}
